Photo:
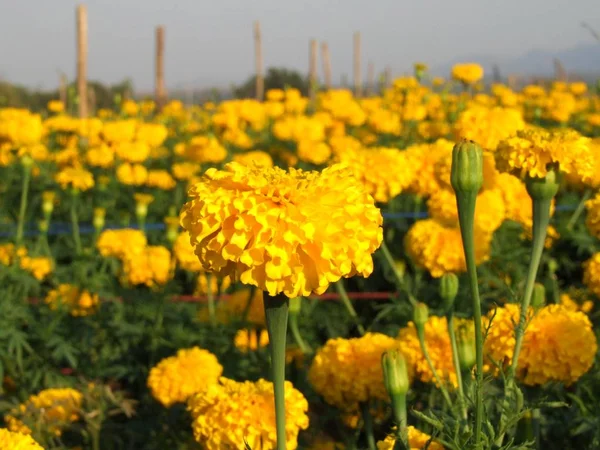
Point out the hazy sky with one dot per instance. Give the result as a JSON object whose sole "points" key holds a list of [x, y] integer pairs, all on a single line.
{"points": [[210, 43]]}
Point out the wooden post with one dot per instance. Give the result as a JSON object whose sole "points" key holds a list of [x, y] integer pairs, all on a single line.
{"points": [[258, 60], [160, 94], [357, 74], [62, 89], [388, 76], [370, 78], [82, 55], [326, 64], [312, 70]]}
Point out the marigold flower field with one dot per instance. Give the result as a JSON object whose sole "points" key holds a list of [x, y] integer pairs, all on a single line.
{"points": [[414, 269]]}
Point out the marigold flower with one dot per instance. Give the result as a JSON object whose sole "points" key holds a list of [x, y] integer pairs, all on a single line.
{"points": [[202, 149], [121, 243], [250, 340], [591, 274], [230, 412], [313, 152], [423, 159], [333, 370], [151, 266], [531, 151], [239, 306], [258, 158], [438, 248], [54, 409], [132, 174], [284, 232], [102, 156], [468, 73], [160, 179], [151, 134], [217, 285], [11, 440], [177, 378], [79, 302], [185, 170], [75, 178], [40, 267], [488, 126], [184, 253], [417, 440], [592, 220], [576, 300], [559, 344]]}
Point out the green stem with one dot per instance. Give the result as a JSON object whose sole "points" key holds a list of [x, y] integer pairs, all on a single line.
{"points": [[23, 207], [438, 380], [456, 363], [75, 223], [339, 286], [212, 312], [249, 303], [368, 425], [399, 278], [401, 417], [95, 438], [297, 335], [580, 207], [276, 314], [466, 215]]}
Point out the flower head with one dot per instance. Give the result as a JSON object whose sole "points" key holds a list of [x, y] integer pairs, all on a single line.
{"points": [[468, 73], [177, 378], [75, 178], [79, 302], [13, 440], [250, 340], [121, 243], [284, 232], [417, 440]]}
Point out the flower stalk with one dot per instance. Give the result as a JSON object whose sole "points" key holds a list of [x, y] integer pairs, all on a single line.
{"points": [[276, 314], [75, 220], [295, 306], [339, 286], [580, 207], [26, 163]]}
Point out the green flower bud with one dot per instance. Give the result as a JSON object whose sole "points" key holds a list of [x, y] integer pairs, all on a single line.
{"points": [[141, 210], [420, 314], [543, 188], [26, 162], [552, 266], [395, 373], [43, 226], [295, 305], [99, 218], [448, 290], [538, 299], [466, 175], [465, 343]]}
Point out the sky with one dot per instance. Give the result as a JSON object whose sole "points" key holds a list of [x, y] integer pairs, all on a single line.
{"points": [[210, 43]]}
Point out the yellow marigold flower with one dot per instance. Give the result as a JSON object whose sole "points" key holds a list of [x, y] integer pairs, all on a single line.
{"points": [[132, 174], [11, 440], [488, 126], [52, 409], [433, 130], [576, 300], [55, 106], [103, 157], [417, 440], [130, 108], [236, 305], [385, 172], [40, 267], [75, 178], [438, 248], [6, 253], [422, 161], [20, 127], [313, 152], [79, 302], [231, 412], [217, 285], [592, 220], [490, 211], [469, 73], [151, 267], [438, 345], [591, 274], [284, 232], [202, 149], [275, 95], [132, 152], [533, 90], [160, 179], [151, 134], [185, 170], [251, 340], [184, 253], [578, 88], [559, 344], [119, 130], [532, 150], [177, 378], [121, 243], [333, 370], [254, 158]]}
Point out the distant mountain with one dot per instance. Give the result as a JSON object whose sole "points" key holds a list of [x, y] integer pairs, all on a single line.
{"points": [[583, 59]]}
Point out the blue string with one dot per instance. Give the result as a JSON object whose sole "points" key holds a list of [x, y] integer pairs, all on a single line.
{"points": [[62, 228]]}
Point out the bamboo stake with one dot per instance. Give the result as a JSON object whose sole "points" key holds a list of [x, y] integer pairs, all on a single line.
{"points": [[326, 64], [357, 74], [82, 56], [258, 60], [370, 79], [160, 94], [312, 70]]}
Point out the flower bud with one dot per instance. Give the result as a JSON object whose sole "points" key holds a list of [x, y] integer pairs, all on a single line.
{"points": [[466, 174], [543, 188], [552, 265], [420, 314], [295, 305], [99, 218], [448, 290], [48, 202], [43, 226], [538, 299], [141, 210], [172, 224], [26, 162], [395, 373], [465, 343]]}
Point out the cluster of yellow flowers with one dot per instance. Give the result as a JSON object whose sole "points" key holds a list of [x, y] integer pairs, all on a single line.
{"points": [[11, 440], [78, 301], [38, 266], [229, 413]]}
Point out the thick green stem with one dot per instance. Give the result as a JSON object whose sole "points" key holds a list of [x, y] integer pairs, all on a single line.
{"points": [[401, 417], [368, 426], [23, 207], [466, 215], [399, 278], [339, 286], [276, 314], [456, 363], [297, 335], [438, 380], [580, 207], [75, 223], [212, 311]]}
